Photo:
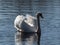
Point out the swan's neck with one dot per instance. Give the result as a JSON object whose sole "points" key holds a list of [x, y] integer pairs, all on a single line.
{"points": [[38, 20]]}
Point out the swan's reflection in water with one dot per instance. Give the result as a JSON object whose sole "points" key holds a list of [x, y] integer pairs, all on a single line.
{"points": [[27, 38]]}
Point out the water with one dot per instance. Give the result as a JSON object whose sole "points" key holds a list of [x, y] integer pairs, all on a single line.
{"points": [[50, 25], [27, 39], [7, 31], [10, 36]]}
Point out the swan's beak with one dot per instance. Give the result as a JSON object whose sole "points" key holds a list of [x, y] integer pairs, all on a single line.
{"points": [[41, 16]]}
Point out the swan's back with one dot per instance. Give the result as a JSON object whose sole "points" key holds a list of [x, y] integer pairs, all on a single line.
{"points": [[27, 23], [30, 24], [30, 19]]}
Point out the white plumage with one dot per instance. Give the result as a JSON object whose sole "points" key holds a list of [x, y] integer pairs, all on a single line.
{"points": [[18, 21], [28, 23]]}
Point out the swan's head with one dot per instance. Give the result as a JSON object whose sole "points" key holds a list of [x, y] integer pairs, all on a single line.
{"points": [[40, 14]]}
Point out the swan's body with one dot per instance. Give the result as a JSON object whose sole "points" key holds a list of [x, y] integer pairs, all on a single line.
{"points": [[26, 23]]}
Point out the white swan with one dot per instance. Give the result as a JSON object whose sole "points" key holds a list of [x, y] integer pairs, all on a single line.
{"points": [[27, 23]]}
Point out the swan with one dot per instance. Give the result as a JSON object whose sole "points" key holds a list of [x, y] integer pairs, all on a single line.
{"points": [[28, 23]]}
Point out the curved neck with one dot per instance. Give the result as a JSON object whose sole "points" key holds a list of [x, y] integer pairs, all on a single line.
{"points": [[38, 20]]}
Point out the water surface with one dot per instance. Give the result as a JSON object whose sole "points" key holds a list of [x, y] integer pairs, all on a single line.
{"points": [[10, 36]]}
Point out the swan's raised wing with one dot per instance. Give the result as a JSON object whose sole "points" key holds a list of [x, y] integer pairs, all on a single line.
{"points": [[18, 21]]}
